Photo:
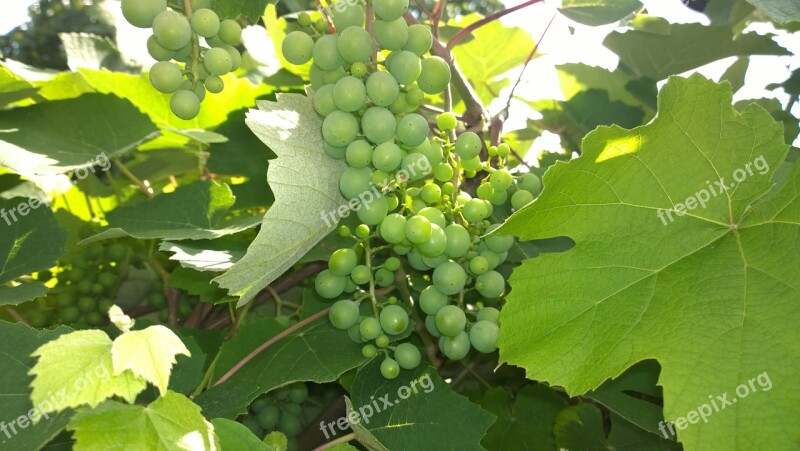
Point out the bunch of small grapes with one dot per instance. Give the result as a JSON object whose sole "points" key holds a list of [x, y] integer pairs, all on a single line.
{"points": [[416, 207], [176, 37], [286, 409]]}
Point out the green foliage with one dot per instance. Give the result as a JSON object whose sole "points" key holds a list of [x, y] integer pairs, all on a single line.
{"points": [[712, 243], [781, 11], [593, 12]]}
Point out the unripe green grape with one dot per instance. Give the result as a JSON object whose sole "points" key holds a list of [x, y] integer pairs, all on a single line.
{"points": [[166, 77], [373, 213], [69, 314], [359, 154], [172, 30], [449, 278], [414, 167], [316, 76], [351, 287], [142, 13], [214, 84], [415, 97], [381, 178], [431, 300], [205, 23], [326, 53], [349, 94], [435, 75], [473, 164], [343, 314], [390, 9], [443, 172], [382, 341], [390, 369], [499, 198], [468, 145], [323, 101], [432, 151], [498, 243], [379, 125], [431, 193], [67, 299], [157, 51], [407, 356], [418, 229], [369, 351], [268, 417], [362, 231], [361, 275], [355, 45], [198, 89], [530, 183], [455, 347], [483, 336], [490, 285], [501, 180], [520, 199], [329, 285], [387, 157], [392, 264], [289, 424], [87, 304], [405, 67], [436, 244], [493, 258], [446, 122], [458, 241], [394, 320], [420, 39], [490, 314], [340, 129], [382, 88], [230, 32], [412, 130], [393, 228], [298, 393], [354, 333], [217, 61], [369, 328], [392, 34], [292, 408], [400, 106], [485, 191], [346, 14], [355, 181], [417, 205], [474, 211], [358, 70], [450, 320], [478, 265], [342, 262], [337, 153], [236, 57], [185, 105]]}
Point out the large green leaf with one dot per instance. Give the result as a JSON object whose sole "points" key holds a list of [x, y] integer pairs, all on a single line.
{"points": [[149, 354], [234, 436], [685, 47], [192, 212], [598, 12], [56, 137], [17, 343], [306, 186], [417, 410], [28, 243], [171, 422], [317, 353], [581, 427], [13, 87], [524, 423], [711, 294], [781, 11]]}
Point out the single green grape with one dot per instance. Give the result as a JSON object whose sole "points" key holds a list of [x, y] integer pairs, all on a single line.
{"points": [[490, 284], [355, 45], [358, 70], [485, 191], [69, 315], [359, 154], [472, 164], [415, 97], [166, 77], [458, 241], [447, 122], [157, 51], [355, 181], [369, 351], [329, 285], [323, 101], [420, 39], [393, 228], [436, 244], [369, 328], [498, 243], [230, 32], [373, 212], [443, 172], [382, 341], [361, 275], [405, 67], [468, 145], [268, 417], [407, 356], [478, 265], [435, 75], [379, 125], [394, 320], [349, 94], [418, 229], [392, 34], [474, 211], [412, 130], [342, 262], [326, 53], [304, 19], [382, 88], [490, 314], [214, 84], [390, 9], [185, 105], [431, 193], [430, 325], [431, 300], [390, 369], [530, 183], [340, 129], [520, 199], [387, 157], [172, 30], [392, 264], [362, 231], [501, 180], [297, 47], [455, 347], [87, 304], [205, 23], [449, 278], [347, 14], [218, 61], [483, 336], [289, 424], [142, 13]]}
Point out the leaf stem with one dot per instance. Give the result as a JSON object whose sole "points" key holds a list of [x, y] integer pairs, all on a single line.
{"points": [[342, 439], [461, 35], [129, 175]]}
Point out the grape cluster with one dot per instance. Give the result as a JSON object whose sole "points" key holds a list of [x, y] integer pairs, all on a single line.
{"points": [[419, 213], [176, 37], [287, 409]]}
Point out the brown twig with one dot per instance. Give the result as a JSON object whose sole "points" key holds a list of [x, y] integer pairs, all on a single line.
{"points": [[14, 314], [461, 35]]}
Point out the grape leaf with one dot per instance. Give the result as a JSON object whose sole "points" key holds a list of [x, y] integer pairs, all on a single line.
{"points": [[22, 293], [168, 423], [149, 354], [13, 87], [305, 181], [417, 410], [28, 243], [251, 9], [276, 441], [77, 369], [17, 342], [191, 212], [581, 427], [524, 423], [711, 294], [234, 436], [686, 47], [598, 12], [317, 353], [57, 137], [781, 11]]}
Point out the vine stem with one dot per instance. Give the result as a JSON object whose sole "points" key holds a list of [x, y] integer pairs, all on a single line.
{"points": [[342, 439], [14, 314], [269, 343], [187, 11], [461, 35], [129, 175]]}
